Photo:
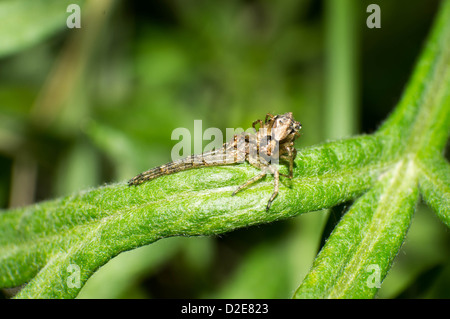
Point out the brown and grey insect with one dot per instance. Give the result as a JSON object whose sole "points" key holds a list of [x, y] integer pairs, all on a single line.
{"points": [[274, 140]]}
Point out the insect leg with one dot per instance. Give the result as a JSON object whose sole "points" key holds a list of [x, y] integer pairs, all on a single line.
{"points": [[265, 170], [271, 169], [276, 177], [260, 124], [249, 182], [255, 162], [267, 116], [292, 152]]}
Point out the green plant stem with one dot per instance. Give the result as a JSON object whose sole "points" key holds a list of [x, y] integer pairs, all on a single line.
{"points": [[341, 114], [372, 232]]}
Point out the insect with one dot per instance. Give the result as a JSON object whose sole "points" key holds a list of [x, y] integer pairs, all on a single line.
{"points": [[274, 140]]}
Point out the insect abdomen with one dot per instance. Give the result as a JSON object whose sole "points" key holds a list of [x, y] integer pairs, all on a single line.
{"points": [[189, 162]]}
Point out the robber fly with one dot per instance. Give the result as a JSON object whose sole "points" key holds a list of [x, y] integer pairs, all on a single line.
{"points": [[273, 140]]}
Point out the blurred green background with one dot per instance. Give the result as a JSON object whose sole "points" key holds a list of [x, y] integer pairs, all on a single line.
{"points": [[83, 107]]}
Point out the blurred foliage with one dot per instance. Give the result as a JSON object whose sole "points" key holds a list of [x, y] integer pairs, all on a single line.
{"points": [[83, 107]]}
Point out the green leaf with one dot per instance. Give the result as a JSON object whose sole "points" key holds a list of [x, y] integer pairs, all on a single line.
{"points": [[434, 185], [366, 240], [121, 274], [89, 228]]}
